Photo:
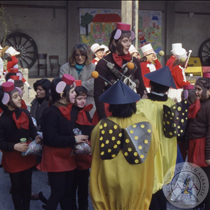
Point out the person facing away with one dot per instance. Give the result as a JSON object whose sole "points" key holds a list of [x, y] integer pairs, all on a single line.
{"points": [[171, 61], [122, 175], [152, 109]]}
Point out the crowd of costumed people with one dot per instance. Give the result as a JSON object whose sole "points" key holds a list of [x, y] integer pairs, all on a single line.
{"points": [[107, 126]]}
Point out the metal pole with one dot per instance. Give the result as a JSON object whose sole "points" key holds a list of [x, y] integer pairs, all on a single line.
{"points": [[135, 21], [126, 12]]}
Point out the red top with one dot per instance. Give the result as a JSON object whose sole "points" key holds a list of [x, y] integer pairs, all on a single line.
{"points": [[170, 62], [23, 104], [94, 61], [11, 63], [178, 77], [145, 69]]}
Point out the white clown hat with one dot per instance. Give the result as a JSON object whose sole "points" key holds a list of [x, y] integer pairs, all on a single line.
{"points": [[95, 47], [175, 47], [181, 53], [105, 48], [132, 49], [147, 49]]}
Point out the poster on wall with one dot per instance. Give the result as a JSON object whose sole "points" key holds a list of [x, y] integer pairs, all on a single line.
{"points": [[149, 30], [96, 26]]}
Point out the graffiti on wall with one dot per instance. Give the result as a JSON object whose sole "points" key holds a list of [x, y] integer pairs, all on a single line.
{"points": [[96, 26]]}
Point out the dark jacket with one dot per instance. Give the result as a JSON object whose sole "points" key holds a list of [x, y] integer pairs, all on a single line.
{"points": [[37, 110], [104, 71], [10, 134], [57, 130], [200, 126]]}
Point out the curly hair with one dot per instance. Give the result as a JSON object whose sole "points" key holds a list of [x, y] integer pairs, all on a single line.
{"points": [[83, 48], [46, 85]]}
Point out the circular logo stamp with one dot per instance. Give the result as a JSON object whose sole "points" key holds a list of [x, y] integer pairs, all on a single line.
{"points": [[187, 185]]}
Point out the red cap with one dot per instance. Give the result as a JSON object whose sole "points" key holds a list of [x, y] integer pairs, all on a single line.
{"points": [[14, 77], [13, 70], [123, 26], [188, 87], [8, 86], [68, 79], [78, 83], [206, 75]]}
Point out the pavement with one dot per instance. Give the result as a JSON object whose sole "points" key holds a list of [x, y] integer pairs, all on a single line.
{"points": [[39, 183]]}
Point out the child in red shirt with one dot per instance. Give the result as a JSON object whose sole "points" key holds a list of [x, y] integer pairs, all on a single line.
{"points": [[146, 63]]}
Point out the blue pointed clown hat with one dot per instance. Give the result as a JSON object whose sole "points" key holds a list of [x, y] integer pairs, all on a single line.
{"points": [[162, 76], [119, 93]]}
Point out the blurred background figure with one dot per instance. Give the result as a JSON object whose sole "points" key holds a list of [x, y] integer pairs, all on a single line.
{"points": [[106, 50], [1, 66], [171, 61], [134, 52], [12, 62], [98, 51], [178, 73], [41, 101], [148, 63]]}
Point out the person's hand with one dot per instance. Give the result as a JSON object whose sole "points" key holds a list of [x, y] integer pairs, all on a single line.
{"points": [[207, 162], [175, 100], [81, 139], [21, 147], [154, 57], [38, 139], [145, 95]]}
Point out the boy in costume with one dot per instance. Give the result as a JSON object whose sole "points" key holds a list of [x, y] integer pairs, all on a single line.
{"points": [[123, 150], [152, 109]]}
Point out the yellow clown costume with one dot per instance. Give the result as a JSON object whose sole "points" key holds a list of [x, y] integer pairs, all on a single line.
{"points": [[152, 109], [123, 152], [167, 153]]}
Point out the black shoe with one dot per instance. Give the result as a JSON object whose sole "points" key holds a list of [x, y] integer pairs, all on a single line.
{"points": [[42, 198]]}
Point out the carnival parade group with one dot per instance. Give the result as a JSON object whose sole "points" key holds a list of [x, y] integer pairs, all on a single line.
{"points": [[105, 126]]}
